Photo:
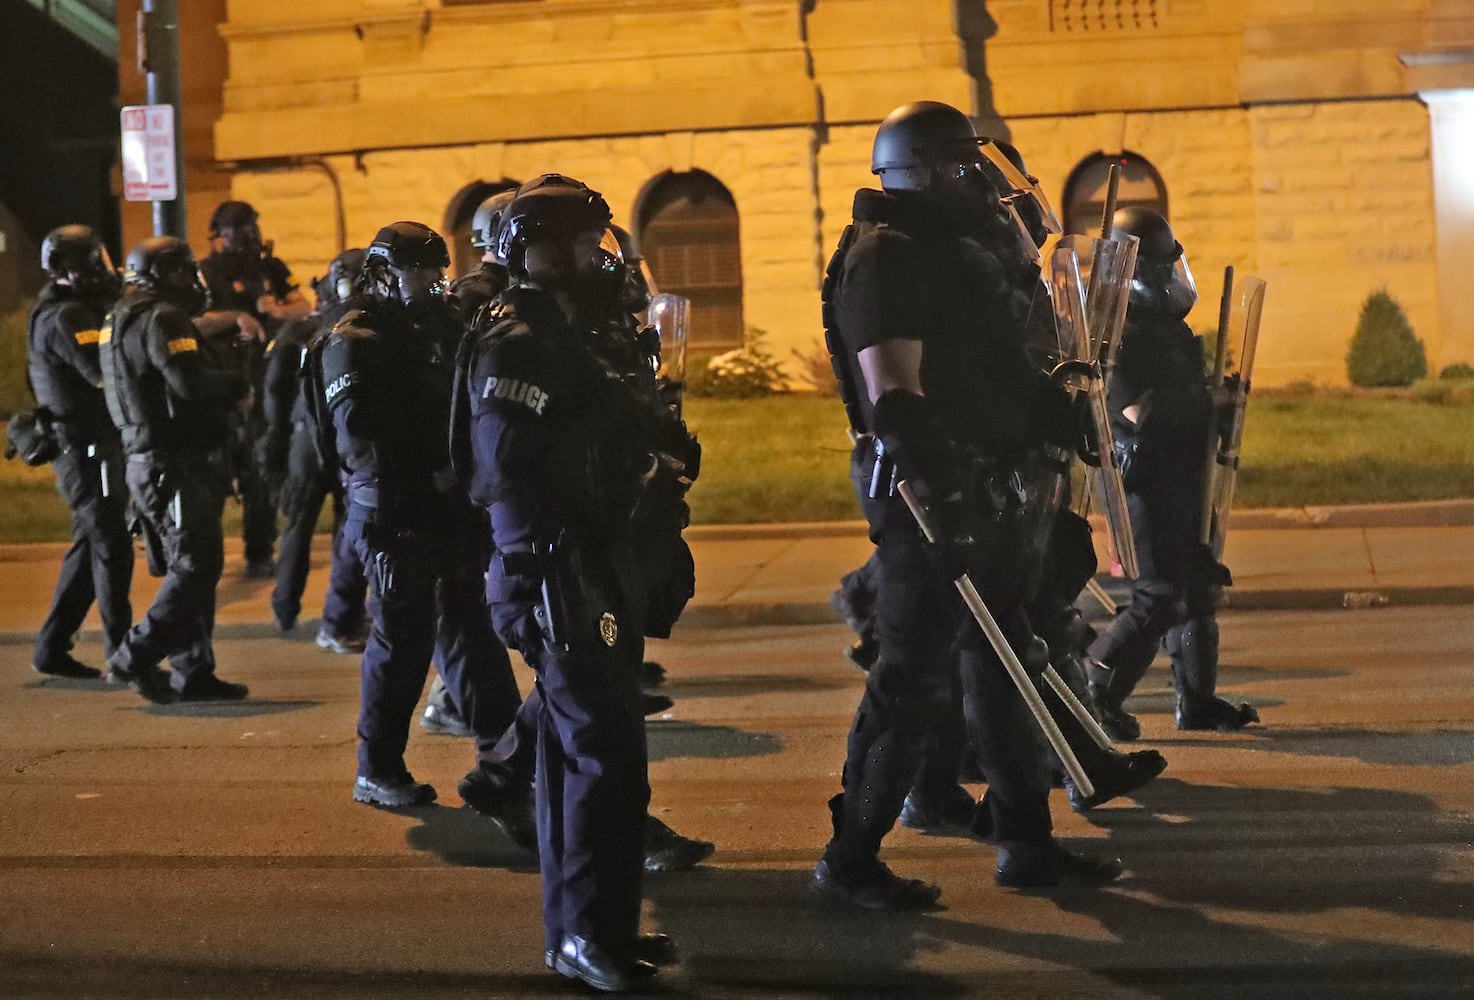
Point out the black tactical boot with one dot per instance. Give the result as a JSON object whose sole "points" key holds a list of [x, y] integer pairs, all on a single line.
{"points": [[1217, 714], [949, 810], [873, 886], [1193, 647], [1116, 774], [1027, 864], [1107, 704]]}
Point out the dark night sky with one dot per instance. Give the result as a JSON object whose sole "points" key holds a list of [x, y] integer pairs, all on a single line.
{"points": [[58, 125]]}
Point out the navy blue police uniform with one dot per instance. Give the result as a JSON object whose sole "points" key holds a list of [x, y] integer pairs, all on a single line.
{"points": [[558, 453], [303, 485], [65, 375], [386, 371]]}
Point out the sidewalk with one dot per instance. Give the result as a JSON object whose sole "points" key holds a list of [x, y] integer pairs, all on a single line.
{"points": [[783, 574], [1312, 558]]}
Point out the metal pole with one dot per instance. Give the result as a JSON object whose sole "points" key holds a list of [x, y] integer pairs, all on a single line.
{"points": [[161, 65]]}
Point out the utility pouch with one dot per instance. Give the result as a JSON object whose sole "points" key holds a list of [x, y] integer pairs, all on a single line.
{"points": [[33, 436]]}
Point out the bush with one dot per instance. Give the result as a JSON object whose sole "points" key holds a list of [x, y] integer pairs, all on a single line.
{"points": [[1457, 372], [1384, 350], [1445, 391], [749, 372], [15, 394], [1208, 340], [816, 371]]}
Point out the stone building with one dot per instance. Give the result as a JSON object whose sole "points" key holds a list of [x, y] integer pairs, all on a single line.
{"points": [[1323, 146]]}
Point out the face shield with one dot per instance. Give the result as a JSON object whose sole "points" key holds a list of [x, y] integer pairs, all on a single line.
{"points": [[1165, 286], [242, 239], [418, 285], [98, 276]]}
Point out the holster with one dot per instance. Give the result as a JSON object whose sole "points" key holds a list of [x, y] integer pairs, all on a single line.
{"points": [[575, 604]]}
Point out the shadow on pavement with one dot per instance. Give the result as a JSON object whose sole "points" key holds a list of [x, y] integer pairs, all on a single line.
{"points": [[1174, 952], [1273, 850], [224, 709], [464, 837], [762, 932], [121, 978], [745, 686], [670, 740]]}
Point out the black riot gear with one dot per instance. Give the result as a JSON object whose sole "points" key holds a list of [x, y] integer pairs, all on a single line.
{"points": [[638, 287], [397, 253], [488, 219], [236, 223], [166, 266], [915, 135], [76, 255], [339, 284], [551, 206], [1163, 282]]}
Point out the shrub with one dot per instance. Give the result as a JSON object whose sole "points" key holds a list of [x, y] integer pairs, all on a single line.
{"points": [[14, 393], [816, 371], [1208, 339], [1457, 372], [748, 372], [1384, 350]]}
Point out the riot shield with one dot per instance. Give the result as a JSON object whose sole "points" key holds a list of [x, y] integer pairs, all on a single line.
{"points": [[670, 314], [1092, 321], [1222, 474]]}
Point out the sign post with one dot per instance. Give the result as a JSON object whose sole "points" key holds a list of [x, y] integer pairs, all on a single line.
{"points": [[159, 59]]}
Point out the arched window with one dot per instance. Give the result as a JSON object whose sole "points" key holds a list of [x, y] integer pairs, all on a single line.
{"points": [[465, 258], [1085, 191], [687, 230]]}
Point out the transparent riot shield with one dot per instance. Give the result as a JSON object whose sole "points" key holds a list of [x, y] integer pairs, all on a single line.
{"points": [[1093, 321], [1222, 477], [1021, 186], [670, 314]]}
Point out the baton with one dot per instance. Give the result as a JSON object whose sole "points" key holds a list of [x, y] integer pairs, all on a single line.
{"points": [[996, 639], [1098, 592], [1080, 712]]}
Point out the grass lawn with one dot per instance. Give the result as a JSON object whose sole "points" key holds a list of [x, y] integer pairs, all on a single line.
{"points": [[786, 458]]}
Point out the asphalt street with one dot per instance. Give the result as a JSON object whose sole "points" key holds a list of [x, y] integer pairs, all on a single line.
{"points": [[216, 852]]}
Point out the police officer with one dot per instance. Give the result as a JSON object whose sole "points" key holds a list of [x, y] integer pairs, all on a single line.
{"points": [[926, 318], [241, 273], [1161, 412], [386, 381], [296, 474], [62, 365], [561, 459], [473, 290], [172, 409]]}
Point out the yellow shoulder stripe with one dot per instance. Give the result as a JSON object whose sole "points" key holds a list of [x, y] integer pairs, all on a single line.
{"points": [[183, 344], [105, 335], [88, 337]]}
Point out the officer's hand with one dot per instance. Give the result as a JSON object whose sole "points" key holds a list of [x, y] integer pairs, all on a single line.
{"points": [[250, 327], [1225, 399], [955, 532]]}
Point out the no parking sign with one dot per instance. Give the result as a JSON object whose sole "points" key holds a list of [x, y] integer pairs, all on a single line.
{"points": [[148, 153]]}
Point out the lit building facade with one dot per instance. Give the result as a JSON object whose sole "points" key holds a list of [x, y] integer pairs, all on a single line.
{"points": [[1324, 147]]}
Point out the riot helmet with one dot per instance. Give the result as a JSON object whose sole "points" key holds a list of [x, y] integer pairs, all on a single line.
{"points": [[166, 266], [565, 224], [235, 223], [406, 261], [486, 222], [341, 281], [1163, 281], [75, 256], [931, 149], [638, 287]]}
